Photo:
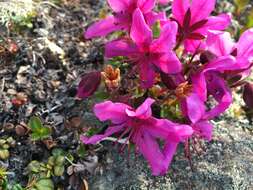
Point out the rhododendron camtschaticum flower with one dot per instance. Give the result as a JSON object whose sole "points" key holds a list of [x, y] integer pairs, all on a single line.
{"points": [[142, 129], [212, 65], [122, 17], [146, 53], [194, 21], [221, 44]]}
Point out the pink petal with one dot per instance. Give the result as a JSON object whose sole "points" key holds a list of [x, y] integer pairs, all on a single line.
{"points": [[146, 5], [120, 48], [169, 151], [147, 74], [219, 43], [152, 17], [96, 138], [245, 44], [195, 107], [218, 88], [168, 130], [167, 39], [111, 111], [204, 128], [102, 28], [201, 9], [140, 33], [150, 149], [192, 46], [164, 2], [221, 64], [199, 85], [118, 5], [143, 111], [169, 63], [179, 8], [220, 22]]}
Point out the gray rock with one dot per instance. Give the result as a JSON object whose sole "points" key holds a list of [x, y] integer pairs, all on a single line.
{"points": [[226, 164]]}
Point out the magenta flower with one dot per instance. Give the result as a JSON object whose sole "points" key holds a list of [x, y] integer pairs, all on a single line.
{"points": [[143, 130], [208, 82], [194, 21], [164, 2], [146, 53], [221, 44], [122, 17]]}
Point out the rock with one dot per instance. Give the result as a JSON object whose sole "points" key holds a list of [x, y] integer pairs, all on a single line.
{"points": [[226, 164]]}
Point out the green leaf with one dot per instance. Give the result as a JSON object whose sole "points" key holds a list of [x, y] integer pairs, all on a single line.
{"points": [[39, 132], [58, 152], [81, 151], [35, 123], [241, 4], [17, 187], [250, 19], [45, 184]]}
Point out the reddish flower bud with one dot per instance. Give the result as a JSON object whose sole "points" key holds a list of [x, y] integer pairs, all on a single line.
{"points": [[88, 84], [206, 57], [248, 95], [171, 81]]}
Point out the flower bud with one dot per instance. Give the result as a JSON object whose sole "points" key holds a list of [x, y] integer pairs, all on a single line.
{"points": [[248, 95], [206, 57], [89, 84], [171, 81]]}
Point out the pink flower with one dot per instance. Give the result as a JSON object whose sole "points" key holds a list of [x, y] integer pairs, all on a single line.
{"points": [[208, 82], [143, 130], [194, 21], [146, 53], [122, 17], [221, 44], [164, 2]]}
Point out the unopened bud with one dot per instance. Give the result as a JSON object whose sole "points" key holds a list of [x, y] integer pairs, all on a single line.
{"points": [[89, 84], [248, 95]]}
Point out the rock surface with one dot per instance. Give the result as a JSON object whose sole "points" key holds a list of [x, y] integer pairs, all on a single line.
{"points": [[227, 164]]}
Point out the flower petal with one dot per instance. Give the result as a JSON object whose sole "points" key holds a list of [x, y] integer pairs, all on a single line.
{"points": [[221, 64], [140, 32], [169, 151], [204, 128], [169, 63], [147, 74], [245, 44], [96, 138], [221, 93], [146, 5], [219, 43], [102, 28], [152, 17], [195, 107], [150, 149], [219, 22], [179, 8], [167, 39], [111, 111], [118, 5], [168, 130], [120, 48], [201, 9]]}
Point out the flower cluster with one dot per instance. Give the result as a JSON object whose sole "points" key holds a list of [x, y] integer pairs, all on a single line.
{"points": [[181, 67]]}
